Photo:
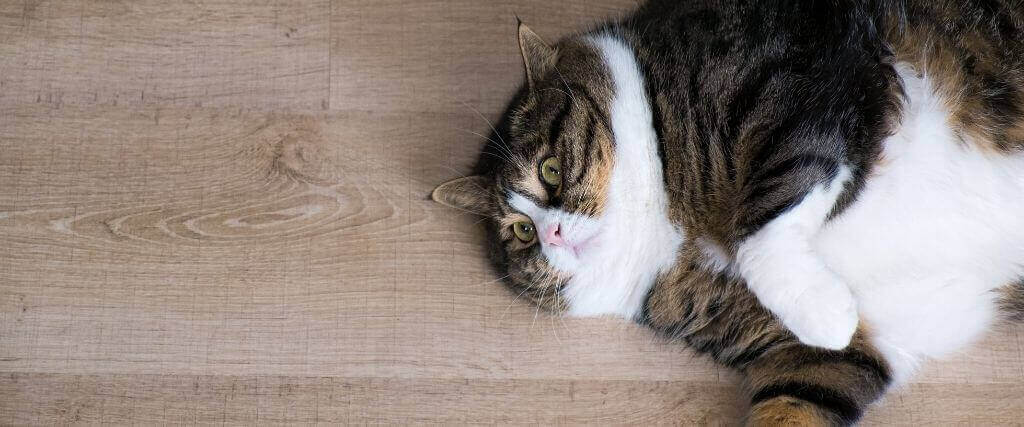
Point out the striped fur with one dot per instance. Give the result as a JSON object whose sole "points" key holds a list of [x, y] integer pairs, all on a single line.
{"points": [[1013, 301], [754, 107], [975, 50], [716, 314]]}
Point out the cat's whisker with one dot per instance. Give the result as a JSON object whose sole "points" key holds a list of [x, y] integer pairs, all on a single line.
{"points": [[502, 149], [464, 211], [485, 119], [551, 320], [482, 190], [550, 282], [502, 146], [498, 157], [508, 155], [579, 199], [476, 133], [493, 281], [505, 312], [554, 331], [501, 143], [519, 163], [537, 310], [561, 318], [453, 170], [562, 78], [559, 90]]}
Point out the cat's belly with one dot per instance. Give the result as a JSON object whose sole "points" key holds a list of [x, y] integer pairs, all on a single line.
{"points": [[933, 235]]}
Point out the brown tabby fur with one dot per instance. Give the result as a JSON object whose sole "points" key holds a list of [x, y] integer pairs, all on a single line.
{"points": [[974, 51]]}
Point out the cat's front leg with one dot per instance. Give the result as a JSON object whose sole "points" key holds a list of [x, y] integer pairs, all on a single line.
{"points": [[792, 281]]}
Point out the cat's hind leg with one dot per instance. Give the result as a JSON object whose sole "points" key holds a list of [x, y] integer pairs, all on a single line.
{"points": [[789, 383], [800, 385]]}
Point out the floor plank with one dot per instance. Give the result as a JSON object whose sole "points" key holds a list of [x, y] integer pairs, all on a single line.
{"points": [[238, 400], [124, 399], [223, 53], [449, 55], [258, 242]]}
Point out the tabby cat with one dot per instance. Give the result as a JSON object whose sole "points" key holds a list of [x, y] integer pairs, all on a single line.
{"points": [[819, 194]]}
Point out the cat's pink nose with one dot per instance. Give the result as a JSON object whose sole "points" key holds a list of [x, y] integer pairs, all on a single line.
{"points": [[553, 236]]}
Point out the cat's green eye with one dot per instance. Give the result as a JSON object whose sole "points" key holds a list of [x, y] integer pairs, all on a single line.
{"points": [[551, 172], [524, 231]]}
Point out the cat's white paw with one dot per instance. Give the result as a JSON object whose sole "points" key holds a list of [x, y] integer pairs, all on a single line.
{"points": [[824, 315]]}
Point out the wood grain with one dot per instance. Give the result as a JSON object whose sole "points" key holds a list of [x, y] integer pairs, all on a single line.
{"points": [[216, 212]]}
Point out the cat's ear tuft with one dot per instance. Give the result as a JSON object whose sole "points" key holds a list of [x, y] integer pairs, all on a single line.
{"points": [[538, 56], [467, 194]]}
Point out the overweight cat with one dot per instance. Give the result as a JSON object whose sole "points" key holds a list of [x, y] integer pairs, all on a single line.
{"points": [[820, 194]]}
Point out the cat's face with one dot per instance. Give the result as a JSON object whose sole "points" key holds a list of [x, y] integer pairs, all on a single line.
{"points": [[570, 182], [547, 170]]}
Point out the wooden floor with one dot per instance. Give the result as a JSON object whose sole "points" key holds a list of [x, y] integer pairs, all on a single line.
{"points": [[216, 212]]}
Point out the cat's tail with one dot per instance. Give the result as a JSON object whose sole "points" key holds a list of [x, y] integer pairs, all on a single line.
{"points": [[1012, 301], [797, 384]]}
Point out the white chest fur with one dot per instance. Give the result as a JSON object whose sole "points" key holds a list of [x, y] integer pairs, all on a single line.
{"points": [[935, 231], [638, 240]]}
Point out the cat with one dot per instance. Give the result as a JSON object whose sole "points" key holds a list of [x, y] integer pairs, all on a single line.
{"points": [[819, 194]]}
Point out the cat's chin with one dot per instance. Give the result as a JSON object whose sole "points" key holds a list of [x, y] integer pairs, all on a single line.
{"points": [[564, 259], [571, 258]]}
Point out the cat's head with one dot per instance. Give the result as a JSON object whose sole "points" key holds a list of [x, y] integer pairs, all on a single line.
{"points": [[544, 182]]}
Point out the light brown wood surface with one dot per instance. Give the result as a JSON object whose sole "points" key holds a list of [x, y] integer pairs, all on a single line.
{"points": [[216, 212]]}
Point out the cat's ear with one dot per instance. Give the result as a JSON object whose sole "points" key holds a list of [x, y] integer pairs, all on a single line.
{"points": [[538, 56], [467, 194]]}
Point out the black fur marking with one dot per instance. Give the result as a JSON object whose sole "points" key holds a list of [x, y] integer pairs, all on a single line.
{"points": [[558, 123], [751, 354], [866, 363], [1013, 301], [823, 397], [596, 107], [526, 194], [587, 154], [762, 218], [644, 317], [820, 163], [746, 97], [1001, 99]]}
